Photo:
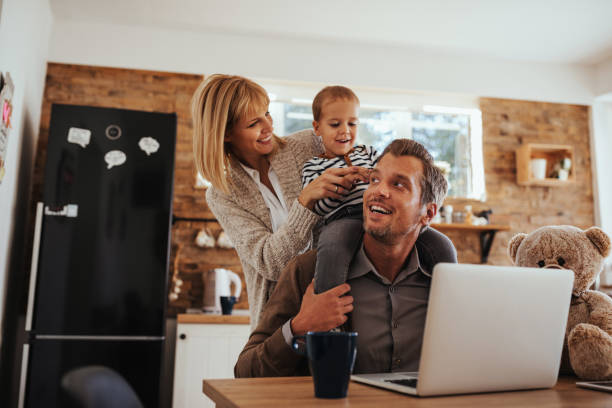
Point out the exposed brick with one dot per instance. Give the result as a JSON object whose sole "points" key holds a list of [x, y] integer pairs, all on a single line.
{"points": [[507, 124]]}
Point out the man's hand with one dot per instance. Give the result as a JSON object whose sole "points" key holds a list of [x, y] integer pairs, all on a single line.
{"points": [[322, 312]]}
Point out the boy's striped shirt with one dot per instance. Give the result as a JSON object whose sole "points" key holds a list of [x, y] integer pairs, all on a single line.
{"points": [[360, 155]]}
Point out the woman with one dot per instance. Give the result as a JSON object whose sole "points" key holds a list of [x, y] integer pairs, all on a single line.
{"points": [[256, 192]]}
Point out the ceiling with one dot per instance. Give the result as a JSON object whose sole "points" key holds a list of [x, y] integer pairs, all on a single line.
{"points": [[555, 31]]}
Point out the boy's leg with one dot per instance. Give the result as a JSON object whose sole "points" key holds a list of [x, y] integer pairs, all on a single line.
{"points": [[434, 247], [337, 244]]}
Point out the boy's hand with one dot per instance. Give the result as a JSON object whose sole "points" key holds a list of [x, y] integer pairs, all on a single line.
{"points": [[333, 183], [322, 312], [360, 175]]}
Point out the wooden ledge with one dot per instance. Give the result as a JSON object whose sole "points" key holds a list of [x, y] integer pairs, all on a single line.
{"points": [[470, 227]]}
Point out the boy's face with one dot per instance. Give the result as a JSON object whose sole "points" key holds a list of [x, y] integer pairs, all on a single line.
{"points": [[337, 126]]}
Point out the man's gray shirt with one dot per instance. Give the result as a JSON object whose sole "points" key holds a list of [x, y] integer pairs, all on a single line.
{"points": [[389, 316]]}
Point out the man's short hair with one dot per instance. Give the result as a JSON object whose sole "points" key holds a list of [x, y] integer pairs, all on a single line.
{"points": [[330, 94], [433, 183]]}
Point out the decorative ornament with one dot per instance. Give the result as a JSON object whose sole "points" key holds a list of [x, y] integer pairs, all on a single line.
{"points": [[223, 241], [204, 239]]}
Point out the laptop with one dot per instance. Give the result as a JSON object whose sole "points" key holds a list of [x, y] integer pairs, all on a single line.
{"points": [[488, 328]]}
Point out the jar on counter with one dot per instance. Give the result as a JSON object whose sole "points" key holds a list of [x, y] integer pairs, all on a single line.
{"points": [[458, 217], [448, 214]]}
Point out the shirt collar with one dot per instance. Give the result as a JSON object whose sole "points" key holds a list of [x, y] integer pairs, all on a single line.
{"points": [[361, 265], [254, 174]]}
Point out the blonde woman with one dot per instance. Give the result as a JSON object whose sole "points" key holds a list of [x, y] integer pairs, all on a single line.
{"points": [[256, 192]]}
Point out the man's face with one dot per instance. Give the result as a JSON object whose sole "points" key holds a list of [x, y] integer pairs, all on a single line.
{"points": [[392, 204]]}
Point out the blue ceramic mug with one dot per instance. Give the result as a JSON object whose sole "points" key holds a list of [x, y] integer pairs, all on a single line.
{"points": [[227, 304], [331, 356]]}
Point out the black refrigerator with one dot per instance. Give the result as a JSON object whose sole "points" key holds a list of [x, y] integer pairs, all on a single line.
{"points": [[98, 282]]}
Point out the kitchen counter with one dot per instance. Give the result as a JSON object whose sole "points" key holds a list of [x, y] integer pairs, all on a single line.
{"points": [[203, 318]]}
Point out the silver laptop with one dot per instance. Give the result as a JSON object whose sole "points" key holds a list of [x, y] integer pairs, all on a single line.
{"points": [[488, 328]]}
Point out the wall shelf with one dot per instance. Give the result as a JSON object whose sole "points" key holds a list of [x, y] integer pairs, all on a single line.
{"points": [[487, 234], [553, 155]]}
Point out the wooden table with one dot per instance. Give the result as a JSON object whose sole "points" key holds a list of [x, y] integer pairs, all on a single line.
{"points": [[299, 392]]}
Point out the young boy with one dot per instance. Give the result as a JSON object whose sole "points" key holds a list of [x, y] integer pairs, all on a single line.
{"points": [[335, 111]]}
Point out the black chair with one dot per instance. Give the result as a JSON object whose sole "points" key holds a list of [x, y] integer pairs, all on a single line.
{"points": [[99, 387]]}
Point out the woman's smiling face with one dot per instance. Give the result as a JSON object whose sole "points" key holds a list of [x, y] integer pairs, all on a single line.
{"points": [[251, 136]]}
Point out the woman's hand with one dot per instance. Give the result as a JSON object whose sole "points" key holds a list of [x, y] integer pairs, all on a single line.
{"points": [[333, 183]]}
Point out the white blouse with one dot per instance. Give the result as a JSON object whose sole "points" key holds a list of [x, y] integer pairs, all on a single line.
{"points": [[278, 207]]}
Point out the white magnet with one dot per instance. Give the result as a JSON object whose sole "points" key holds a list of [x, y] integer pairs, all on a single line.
{"points": [[79, 136], [114, 158], [148, 145]]}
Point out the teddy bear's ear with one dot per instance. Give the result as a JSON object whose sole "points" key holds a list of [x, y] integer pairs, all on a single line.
{"points": [[513, 245], [600, 239]]}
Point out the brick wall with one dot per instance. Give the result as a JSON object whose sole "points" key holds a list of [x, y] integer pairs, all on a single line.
{"points": [[506, 125]]}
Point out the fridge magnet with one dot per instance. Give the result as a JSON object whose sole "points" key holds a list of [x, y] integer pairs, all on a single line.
{"points": [[113, 132], [114, 158], [148, 145], [6, 110], [79, 136]]}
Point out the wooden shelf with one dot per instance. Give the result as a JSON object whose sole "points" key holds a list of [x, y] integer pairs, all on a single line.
{"points": [[487, 234], [553, 155], [470, 227]]}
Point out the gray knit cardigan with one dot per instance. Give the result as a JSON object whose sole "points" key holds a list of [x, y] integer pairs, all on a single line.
{"points": [[245, 218]]}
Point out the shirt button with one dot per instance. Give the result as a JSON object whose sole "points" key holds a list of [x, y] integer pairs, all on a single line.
{"points": [[392, 289], [395, 324], [398, 361]]}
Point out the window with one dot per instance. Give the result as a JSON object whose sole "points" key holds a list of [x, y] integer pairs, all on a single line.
{"points": [[452, 135]]}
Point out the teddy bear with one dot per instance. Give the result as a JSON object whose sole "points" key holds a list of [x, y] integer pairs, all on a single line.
{"points": [[587, 347]]}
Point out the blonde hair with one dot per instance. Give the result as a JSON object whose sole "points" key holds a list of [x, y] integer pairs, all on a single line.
{"points": [[219, 102], [330, 94]]}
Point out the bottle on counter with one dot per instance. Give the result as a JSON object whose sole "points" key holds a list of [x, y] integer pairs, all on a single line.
{"points": [[468, 214]]}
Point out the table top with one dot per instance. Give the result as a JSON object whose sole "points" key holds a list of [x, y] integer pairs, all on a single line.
{"points": [[299, 392]]}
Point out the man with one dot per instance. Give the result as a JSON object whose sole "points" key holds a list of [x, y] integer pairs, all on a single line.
{"points": [[388, 280]]}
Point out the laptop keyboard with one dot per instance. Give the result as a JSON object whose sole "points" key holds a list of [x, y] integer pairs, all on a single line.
{"points": [[408, 382]]}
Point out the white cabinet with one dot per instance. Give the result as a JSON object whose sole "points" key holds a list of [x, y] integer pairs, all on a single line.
{"points": [[204, 351]]}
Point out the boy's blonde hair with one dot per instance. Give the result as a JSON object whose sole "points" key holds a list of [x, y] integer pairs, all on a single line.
{"points": [[219, 102], [330, 94]]}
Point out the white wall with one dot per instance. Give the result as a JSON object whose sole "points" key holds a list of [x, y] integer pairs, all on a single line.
{"points": [[317, 61], [603, 78], [601, 144], [25, 27]]}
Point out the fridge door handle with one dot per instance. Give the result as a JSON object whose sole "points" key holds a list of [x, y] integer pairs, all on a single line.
{"points": [[68, 210], [24, 374], [34, 264]]}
